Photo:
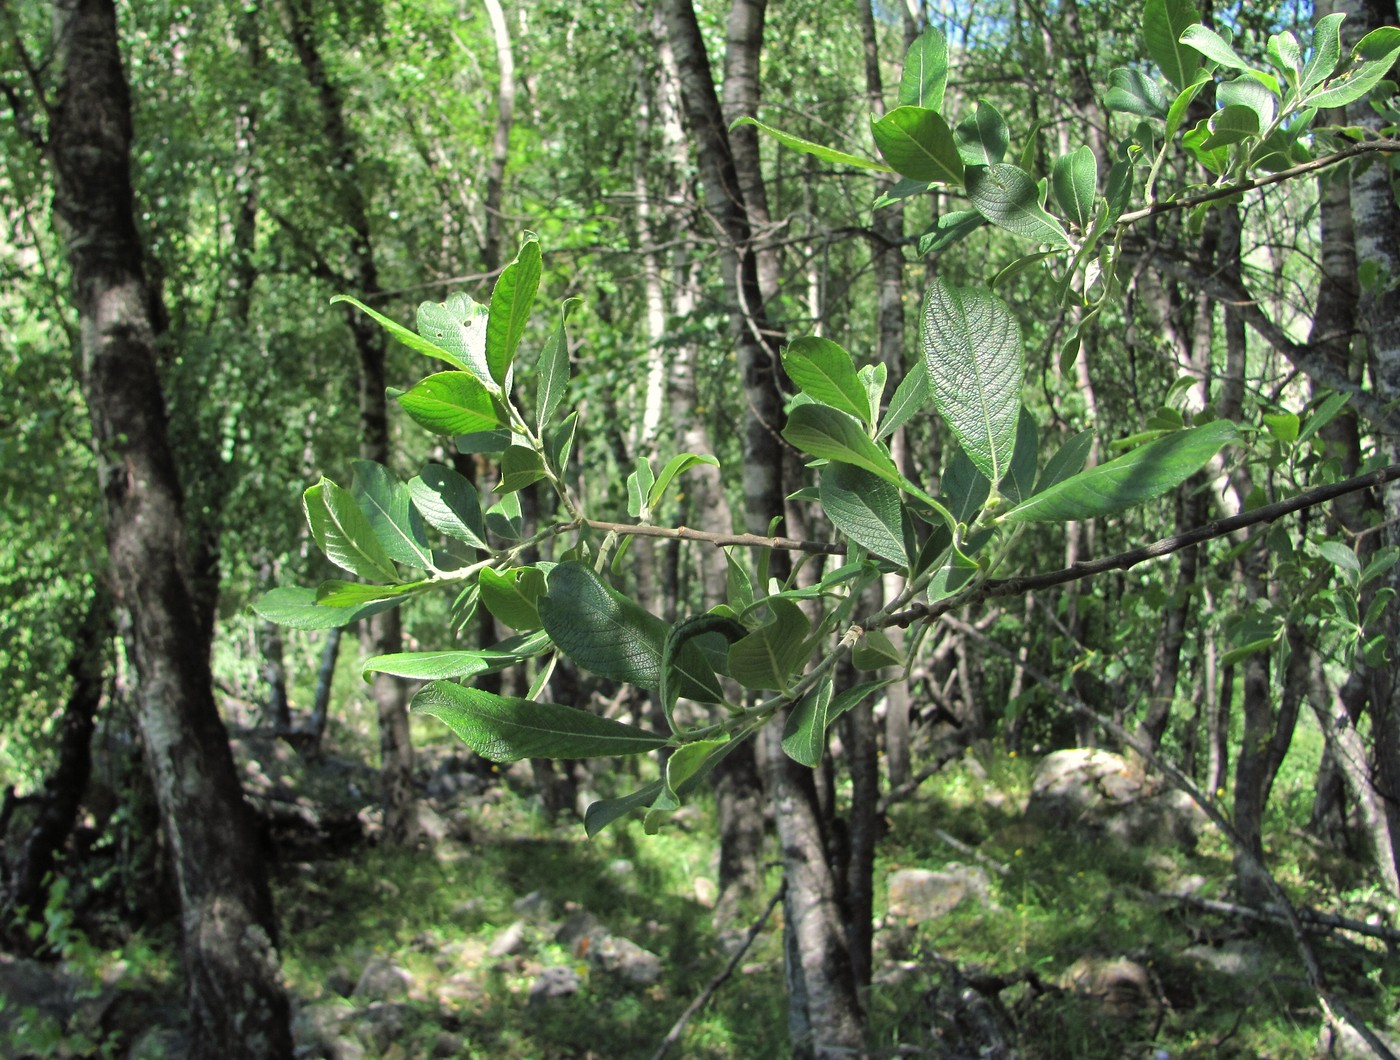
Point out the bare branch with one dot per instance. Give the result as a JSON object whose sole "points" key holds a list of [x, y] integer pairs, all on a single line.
{"points": [[685, 533]]}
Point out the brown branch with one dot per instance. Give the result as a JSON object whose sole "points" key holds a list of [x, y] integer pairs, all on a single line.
{"points": [[1364, 148], [998, 587], [685, 533]]}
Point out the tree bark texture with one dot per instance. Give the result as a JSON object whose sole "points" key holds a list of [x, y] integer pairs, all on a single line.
{"points": [[238, 1007]]}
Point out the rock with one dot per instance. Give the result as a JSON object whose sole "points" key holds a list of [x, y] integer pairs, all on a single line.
{"points": [[383, 980], [1100, 794], [1349, 1045], [509, 941], [624, 958], [580, 932], [706, 892], [922, 894], [431, 825], [1123, 988], [1235, 957], [316, 1027], [28, 984], [554, 983], [383, 1023], [532, 904]]}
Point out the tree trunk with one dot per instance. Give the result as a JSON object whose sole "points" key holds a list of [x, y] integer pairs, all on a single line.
{"points": [[380, 634], [237, 1004]]}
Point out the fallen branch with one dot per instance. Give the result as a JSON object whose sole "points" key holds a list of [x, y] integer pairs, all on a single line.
{"points": [[1310, 917], [693, 1009]]}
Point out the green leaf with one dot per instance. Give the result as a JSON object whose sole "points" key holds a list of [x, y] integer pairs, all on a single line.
{"points": [[333, 593], [866, 509], [964, 487], [949, 229], [1247, 92], [1163, 23], [452, 403], [804, 734], [1326, 52], [677, 465], [903, 188], [1176, 113], [491, 443], [873, 378], [1230, 126], [449, 504], [344, 534], [386, 503], [513, 595], [982, 137], [1340, 556], [553, 367], [925, 76], [770, 656], [457, 326], [687, 763], [1020, 476], [639, 484], [1068, 460], [972, 350], [910, 396], [1213, 46], [1283, 426], [604, 812], [447, 665], [1009, 198], [875, 651], [1372, 60], [834, 435], [1075, 182], [507, 729], [600, 629], [511, 301], [738, 587], [917, 143], [825, 371], [295, 607], [504, 518], [408, 338], [1132, 479], [678, 657], [1134, 92], [808, 147], [520, 467]]}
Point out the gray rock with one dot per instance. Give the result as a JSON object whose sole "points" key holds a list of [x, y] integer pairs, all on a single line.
{"points": [[625, 959], [532, 904], [383, 1023], [580, 932], [1123, 988], [383, 979], [1349, 1045], [554, 983], [1101, 794], [509, 941], [922, 894], [1235, 957]]}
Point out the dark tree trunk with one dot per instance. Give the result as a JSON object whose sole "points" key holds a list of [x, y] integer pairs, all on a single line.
{"points": [[380, 634], [28, 885], [238, 1007]]}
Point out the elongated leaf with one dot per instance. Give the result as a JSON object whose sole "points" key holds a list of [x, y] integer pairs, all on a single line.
{"points": [[504, 518], [804, 734], [553, 367], [458, 326], [343, 533], [333, 593], [446, 665], [1287, 55], [873, 378], [972, 350], [808, 147], [679, 649], [903, 188], [1365, 71], [823, 370], [520, 467], [1230, 126], [507, 729], [449, 504], [600, 629], [511, 301], [949, 229], [1133, 478], [604, 812], [1009, 198], [866, 509], [964, 487], [1068, 460], [385, 502], [910, 396], [917, 143], [1134, 92], [1326, 51], [1249, 93], [1163, 23], [1213, 46], [677, 465], [982, 137], [513, 595], [414, 342], [295, 606], [770, 656], [684, 766], [1075, 182], [925, 76], [834, 435], [452, 403], [1020, 476]]}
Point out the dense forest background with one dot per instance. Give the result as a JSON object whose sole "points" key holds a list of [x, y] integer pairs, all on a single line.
{"points": [[1146, 803]]}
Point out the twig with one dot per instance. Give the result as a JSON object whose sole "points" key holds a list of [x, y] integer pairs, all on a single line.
{"points": [[996, 587], [1335, 1009], [674, 1034], [685, 533], [1311, 917]]}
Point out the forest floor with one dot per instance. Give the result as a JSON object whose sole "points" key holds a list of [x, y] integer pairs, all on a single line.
{"points": [[509, 934]]}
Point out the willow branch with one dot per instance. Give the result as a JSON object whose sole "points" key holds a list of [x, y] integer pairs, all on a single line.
{"points": [[685, 533], [996, 587], [1366, 147]]}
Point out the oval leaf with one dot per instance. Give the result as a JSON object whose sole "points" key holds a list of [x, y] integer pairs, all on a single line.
{"points": [[344, 533], [1134, 478], [866, 509], [507, 729], [834, 435], [825, 371], [925, 75], [1007, 196], [511, 301], [452, 403], [458, 326], [450, 504], [917, 143]]}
